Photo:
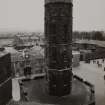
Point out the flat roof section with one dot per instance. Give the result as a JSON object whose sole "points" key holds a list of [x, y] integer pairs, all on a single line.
{"points": [[37, 92]]}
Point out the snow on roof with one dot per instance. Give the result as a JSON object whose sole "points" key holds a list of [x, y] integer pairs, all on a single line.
{"points": [[75, 52], [2, 53], [10, 50], [37, 51]]}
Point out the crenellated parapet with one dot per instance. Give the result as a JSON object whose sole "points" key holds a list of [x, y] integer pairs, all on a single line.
{"points": [[53, 1]]}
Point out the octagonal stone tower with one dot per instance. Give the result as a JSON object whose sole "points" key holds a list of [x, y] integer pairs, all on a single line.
{"points": [[58, 34]]}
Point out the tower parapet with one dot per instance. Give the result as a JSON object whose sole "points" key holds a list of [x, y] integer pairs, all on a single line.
{"points": [[53, 1]]}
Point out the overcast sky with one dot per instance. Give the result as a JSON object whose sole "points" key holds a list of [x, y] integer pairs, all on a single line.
{"points": [[29, 15]]}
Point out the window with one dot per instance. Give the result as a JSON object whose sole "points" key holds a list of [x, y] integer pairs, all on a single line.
{"points": [[52, 28]]}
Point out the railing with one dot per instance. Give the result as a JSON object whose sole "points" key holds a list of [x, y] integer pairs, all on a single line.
{"points": [[91, 88]]}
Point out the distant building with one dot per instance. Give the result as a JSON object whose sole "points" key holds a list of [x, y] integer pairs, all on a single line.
{"points": [[35, 59], [76, 58]]}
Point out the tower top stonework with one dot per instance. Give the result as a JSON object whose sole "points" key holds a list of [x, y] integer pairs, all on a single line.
{"points": [[53, 1]]}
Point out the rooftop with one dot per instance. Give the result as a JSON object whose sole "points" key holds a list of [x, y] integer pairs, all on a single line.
{"points": [[93, 42], [95, 75], [38, 94], [2, 53]]}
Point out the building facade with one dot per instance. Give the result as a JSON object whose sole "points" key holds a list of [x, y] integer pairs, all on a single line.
{"points": [[5, 79]]}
